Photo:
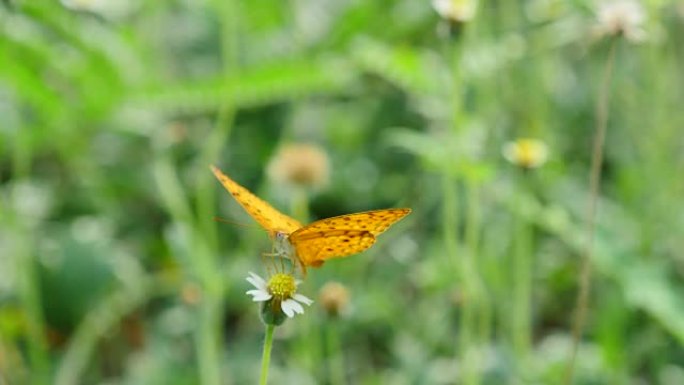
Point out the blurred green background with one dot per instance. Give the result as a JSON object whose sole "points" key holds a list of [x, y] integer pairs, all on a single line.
{"points": [[114, 271]]}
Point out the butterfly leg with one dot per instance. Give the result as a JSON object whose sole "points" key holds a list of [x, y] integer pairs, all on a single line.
{"points": [[269, 260]]}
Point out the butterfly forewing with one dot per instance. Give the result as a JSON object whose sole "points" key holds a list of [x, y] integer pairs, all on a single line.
{"points": [[343, 235], [267, 216], [375, 222]]}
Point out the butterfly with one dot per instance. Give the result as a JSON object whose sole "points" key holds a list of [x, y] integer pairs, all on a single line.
{"points": [[315, 243]]}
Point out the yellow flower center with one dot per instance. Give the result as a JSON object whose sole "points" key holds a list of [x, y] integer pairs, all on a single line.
{"points": [[528, 153], [282, 286]]}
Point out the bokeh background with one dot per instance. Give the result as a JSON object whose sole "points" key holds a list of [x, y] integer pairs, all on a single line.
{"points": [[113, 269]]}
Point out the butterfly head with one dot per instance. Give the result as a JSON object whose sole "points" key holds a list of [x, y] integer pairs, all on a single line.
{"points": [[283, 247]]}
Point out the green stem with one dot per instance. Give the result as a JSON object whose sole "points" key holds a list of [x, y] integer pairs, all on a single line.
{"points": [[30, 296], [477, 302], [472, 310], [299, 204], [209, 336], [203, 265], [26, 265], [472, 237], [206, 240], [336, 368], [582, 305], [311, 347], [461, 268], [475, 268], [223, 125], [522, 290], [266, 356]]}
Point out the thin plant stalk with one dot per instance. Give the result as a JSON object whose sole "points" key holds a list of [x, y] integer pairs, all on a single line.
{"points": [[472, 238], [230, 32], [26, 265], [473, 308], [299, 204], [467, 326], [582, 305], [209, 334], [335, 356], [30, 296], [266, 355], [299, 207], [522, 285]]}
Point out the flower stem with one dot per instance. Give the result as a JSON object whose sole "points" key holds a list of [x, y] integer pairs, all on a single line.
{"points": [[309, 350], [522, 284], [336, 367], [266, 356], [582, 305]]}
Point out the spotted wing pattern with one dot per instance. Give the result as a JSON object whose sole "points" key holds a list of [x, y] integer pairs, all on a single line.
{"points": [[343, 235], [262, 212], [314, 248]]}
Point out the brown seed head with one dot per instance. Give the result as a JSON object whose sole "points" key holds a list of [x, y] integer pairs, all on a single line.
{"points": [[334, 298], [304, 165]]}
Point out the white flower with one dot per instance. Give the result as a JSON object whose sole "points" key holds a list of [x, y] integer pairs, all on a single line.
{"points": [[455, 10], [526, 152], [280, 288], [621, 17]]}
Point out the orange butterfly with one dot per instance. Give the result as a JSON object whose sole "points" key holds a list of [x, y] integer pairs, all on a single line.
{"points": [[321, 240]]}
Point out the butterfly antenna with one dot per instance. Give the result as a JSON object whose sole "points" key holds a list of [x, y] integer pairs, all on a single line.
{"points": [[270, 265], [235, 223]]}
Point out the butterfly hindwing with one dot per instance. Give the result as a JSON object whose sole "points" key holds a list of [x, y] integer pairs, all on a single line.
{"points": [[314, 248], [262, 212]]}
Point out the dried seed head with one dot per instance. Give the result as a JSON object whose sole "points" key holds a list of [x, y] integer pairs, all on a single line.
{"points": [[304, 165], [334, 298]]}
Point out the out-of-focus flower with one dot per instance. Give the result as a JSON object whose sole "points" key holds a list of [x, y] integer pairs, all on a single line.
{"points": [[191, 294], [334, 298], [304, 165], [105, 8], [526, 153], [278, 295], [458, 11], [84, 5], [621, 17]]}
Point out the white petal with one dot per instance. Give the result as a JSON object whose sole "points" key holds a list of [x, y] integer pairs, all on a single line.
{"points": [[259, 295], [287, 308], [302, 299], [294, 305], [256, 281]]}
